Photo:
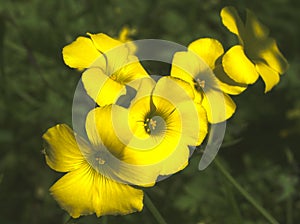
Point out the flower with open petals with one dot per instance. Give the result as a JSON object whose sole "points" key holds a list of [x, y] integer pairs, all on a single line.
{"points": [[85, 190], [195, 67], [110, 66], [256, 55], [151, 137]]}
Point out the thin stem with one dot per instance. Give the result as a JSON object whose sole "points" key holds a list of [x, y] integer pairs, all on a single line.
{"points": [[259, 208], [154, 210]]}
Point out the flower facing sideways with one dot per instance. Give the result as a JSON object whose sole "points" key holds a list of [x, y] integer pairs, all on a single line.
{"points": [[256, 55], [83, 189]]}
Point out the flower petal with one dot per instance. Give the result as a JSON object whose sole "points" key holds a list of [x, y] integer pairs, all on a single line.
{"points": [[193, 130], [84, 191], [62, 149], [233, 22], [81, 53], [100, 87], [254, 29], [238, 67], [104, 42], [269, 52], [179, 93], [270, 76], [219, 106], [226, 84], [207, 49], [187, 65], [108, 126]]}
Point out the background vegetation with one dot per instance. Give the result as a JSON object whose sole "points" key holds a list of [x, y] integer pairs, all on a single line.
{"points": [[261, 149]]}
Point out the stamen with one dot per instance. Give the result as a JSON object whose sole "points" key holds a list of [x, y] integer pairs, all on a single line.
{"points": [[200, 83], [152, 124], [113, 77], [100, 160]]}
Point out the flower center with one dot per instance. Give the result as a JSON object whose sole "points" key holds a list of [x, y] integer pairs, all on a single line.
{"points": [[113, 77], [100, 160], [154, 125], [199, 84]]}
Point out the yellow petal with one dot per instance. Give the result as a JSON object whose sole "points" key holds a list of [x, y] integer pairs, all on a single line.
{"points": [[103, 42], [226, 84], [238, 67], [233, 22], [108, 126], [193, 130], [80, 54], [131, 71], [62, 149], [112, 127], [270, 76], [179, 93], [254, 29], [102, 88], [207, 49], [187, 65], [219, 106], [269, 52], [84, 191]]}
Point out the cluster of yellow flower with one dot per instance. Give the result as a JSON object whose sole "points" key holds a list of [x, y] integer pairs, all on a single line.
{"points": [[131, 146]]}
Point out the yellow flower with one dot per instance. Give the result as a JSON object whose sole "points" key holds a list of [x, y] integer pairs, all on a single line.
{"points": [[110, 66], [195, 67], [152, 136], [85, 190], [125, 33], [256, 55]]}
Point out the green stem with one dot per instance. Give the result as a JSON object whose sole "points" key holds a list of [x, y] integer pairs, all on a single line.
{"points": [[154, 210], [259, 208]]}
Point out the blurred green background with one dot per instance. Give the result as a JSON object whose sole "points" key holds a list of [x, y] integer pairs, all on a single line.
{"points": [[261, 148]]}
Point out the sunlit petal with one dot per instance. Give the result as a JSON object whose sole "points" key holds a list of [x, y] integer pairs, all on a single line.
{"points": [[218, 105], [104, 42], [62, 149], [207, 49], [226, 84], [102, 88], [233, 22], [84, 191], [238, 67], [81, 53]]}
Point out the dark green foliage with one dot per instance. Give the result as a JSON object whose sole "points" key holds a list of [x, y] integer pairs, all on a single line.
{"points": [[261, 147]]}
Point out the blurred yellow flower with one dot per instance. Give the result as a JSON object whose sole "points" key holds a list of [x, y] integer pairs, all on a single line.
{"points": [[256, 55], [109, 63], [85, 190], [125, 33]]}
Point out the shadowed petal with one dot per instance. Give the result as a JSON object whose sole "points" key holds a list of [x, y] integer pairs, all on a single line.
{"points": [[270, 76]]}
